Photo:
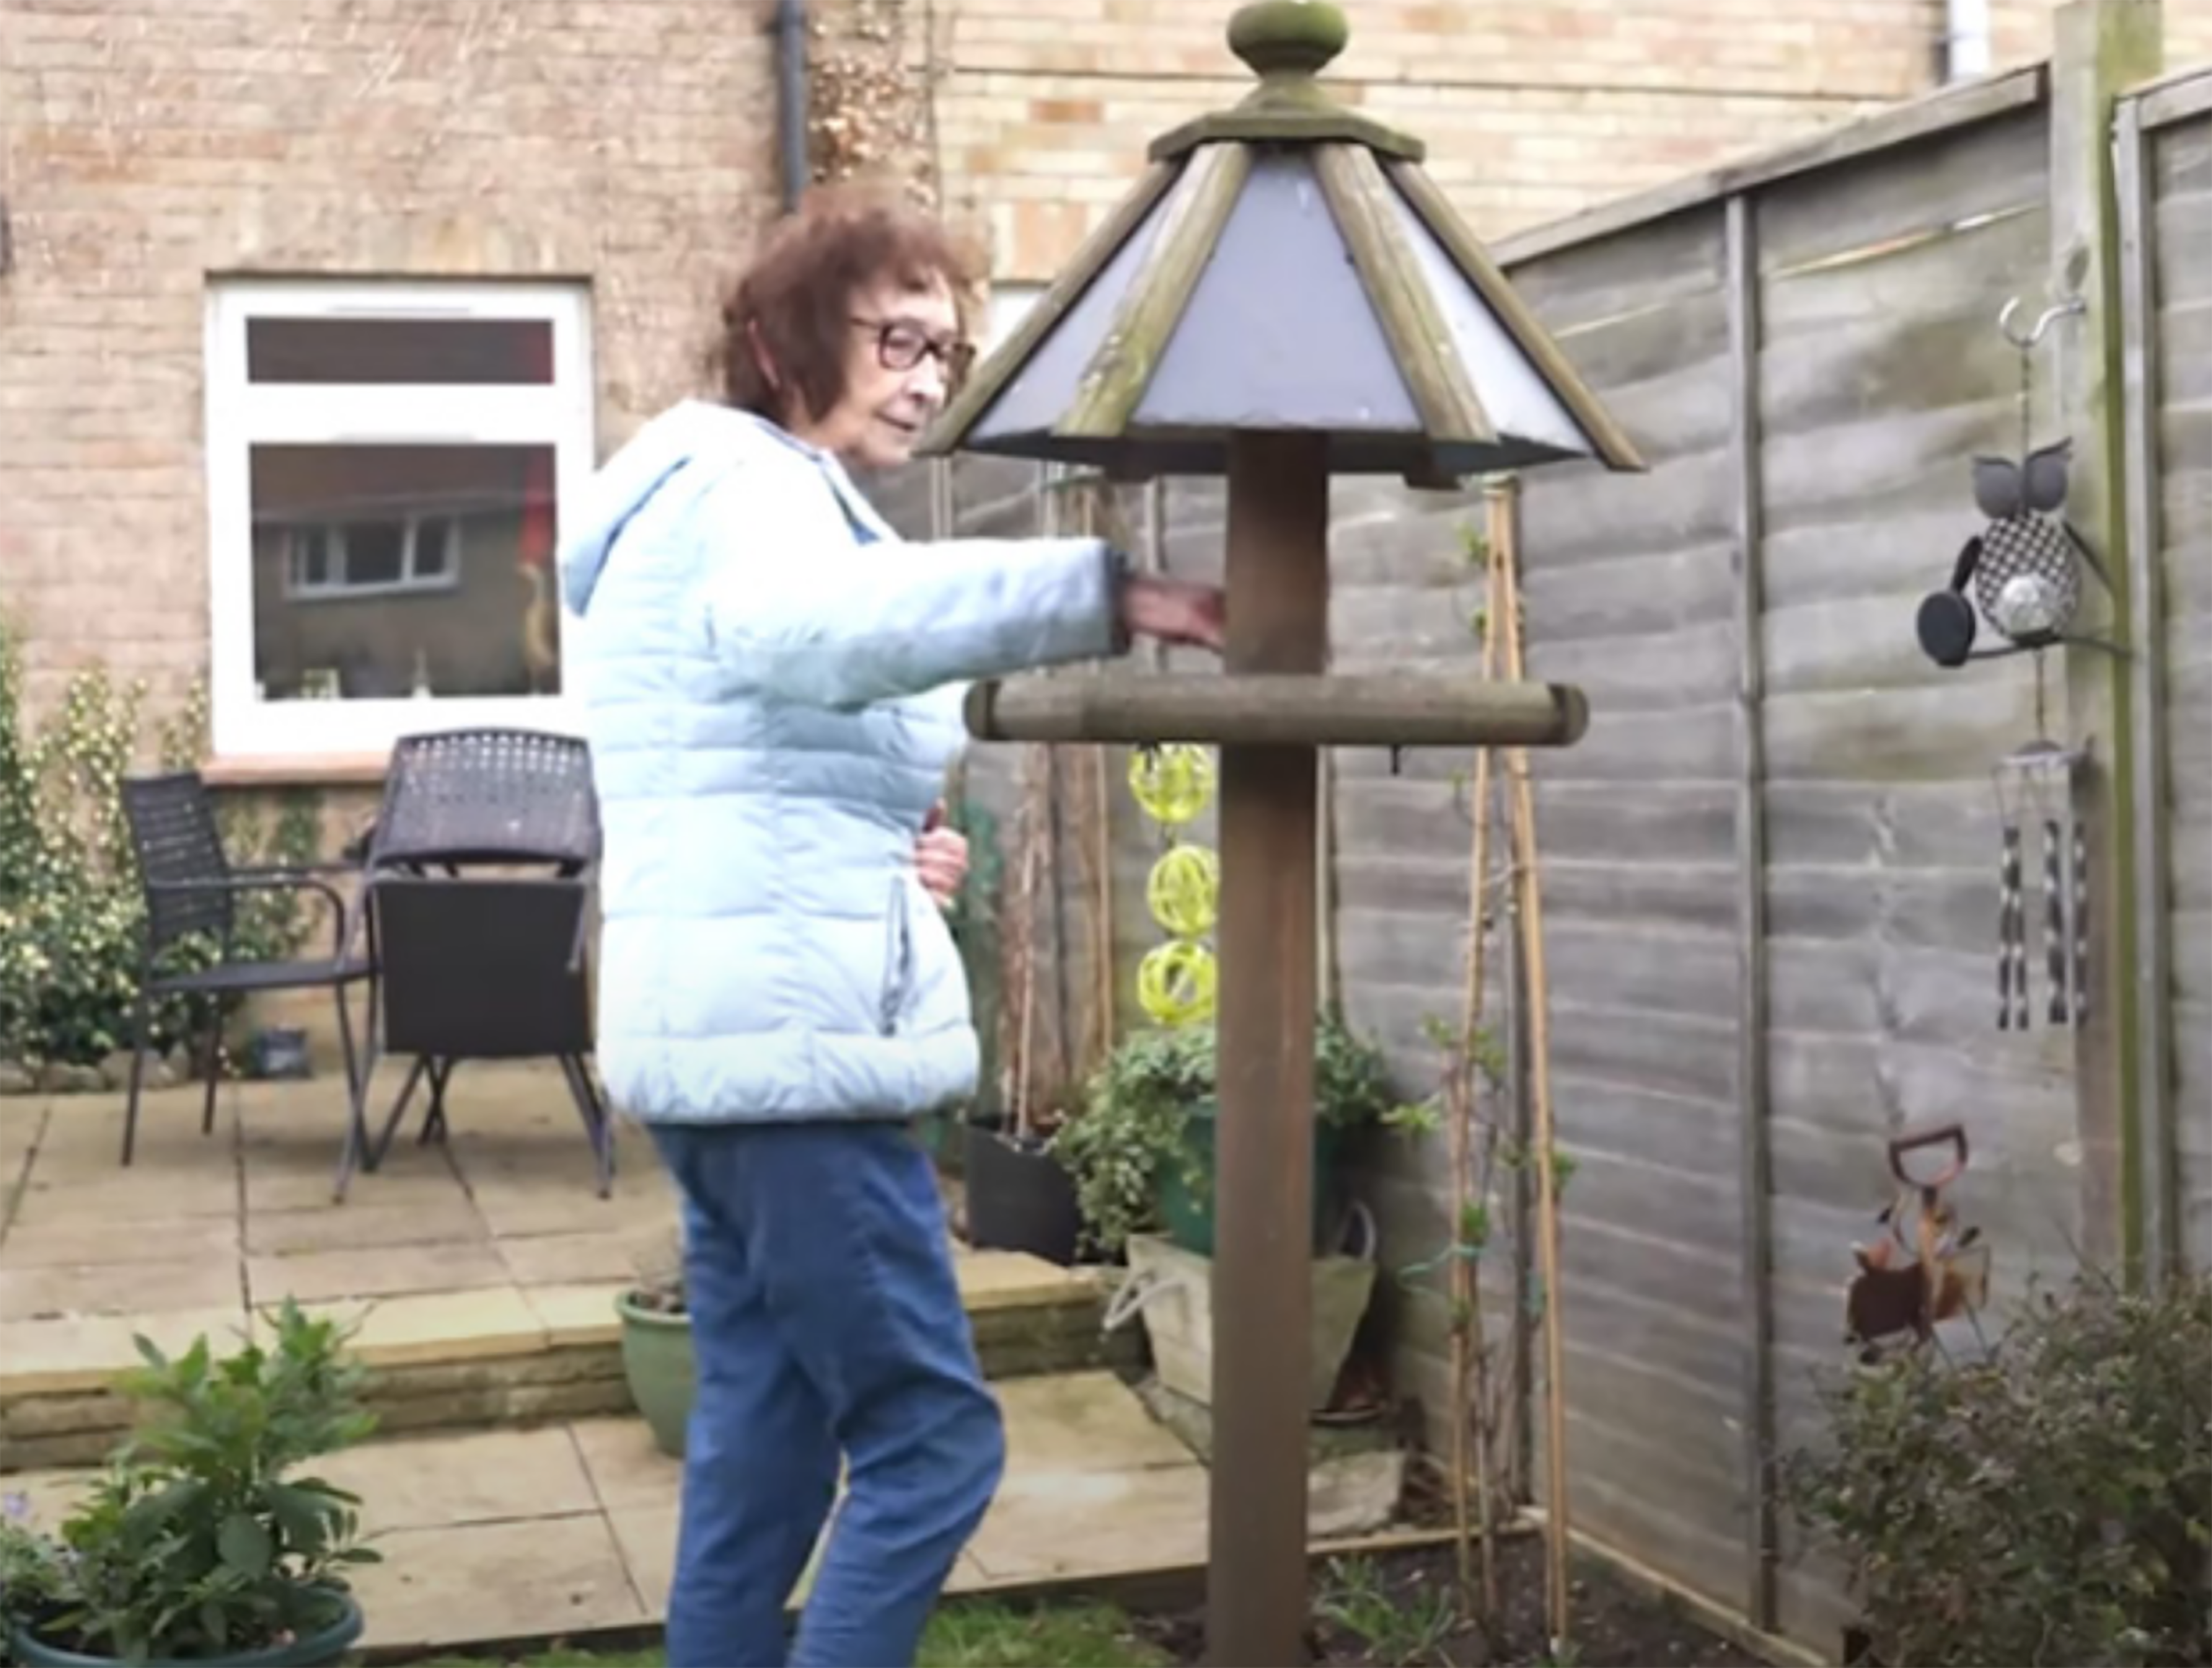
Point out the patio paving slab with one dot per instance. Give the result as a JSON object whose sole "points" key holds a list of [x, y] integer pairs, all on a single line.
{"points": [[533, 1577], [497, 1535], [490, 1246]]}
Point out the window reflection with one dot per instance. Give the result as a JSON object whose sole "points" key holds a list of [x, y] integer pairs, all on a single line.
{"points": [[388, 570]]}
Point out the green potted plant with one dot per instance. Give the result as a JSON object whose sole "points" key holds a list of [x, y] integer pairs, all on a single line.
{"points": [[656, 1349], [202, 1542], [1142, 1154], [1141, 1151]]}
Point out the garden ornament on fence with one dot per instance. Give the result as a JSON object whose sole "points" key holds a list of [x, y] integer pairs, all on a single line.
{"points": [[2025, 564], [2037, 781], [1928, 1269], [2024, 568]]}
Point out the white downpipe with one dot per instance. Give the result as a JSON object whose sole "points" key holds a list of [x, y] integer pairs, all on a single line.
{"points": [[1966, 50]]}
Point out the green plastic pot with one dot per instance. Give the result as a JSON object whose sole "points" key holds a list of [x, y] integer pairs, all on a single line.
{"points": [[658, 1361], [322, 1649], [1187, 1213]]}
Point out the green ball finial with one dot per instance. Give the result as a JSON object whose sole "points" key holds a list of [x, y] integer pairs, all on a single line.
{"points": [[1287, 37]]}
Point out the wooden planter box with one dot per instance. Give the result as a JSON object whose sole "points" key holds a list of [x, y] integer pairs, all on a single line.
{"points": [[1173, 1289]]}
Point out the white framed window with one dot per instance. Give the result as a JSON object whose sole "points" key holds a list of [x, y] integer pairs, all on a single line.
{"points": [[386, 463]]}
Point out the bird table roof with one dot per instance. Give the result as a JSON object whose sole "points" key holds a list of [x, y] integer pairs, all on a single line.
{"points": [[1285, 264]]}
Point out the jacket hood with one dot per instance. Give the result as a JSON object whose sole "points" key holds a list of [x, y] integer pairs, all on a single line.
{"points": [[690, 432]]}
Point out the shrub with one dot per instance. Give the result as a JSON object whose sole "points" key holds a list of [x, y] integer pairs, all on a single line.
{"points": [[70, 914], [2050, 1502], [203, 1537], [1136, 1104]]}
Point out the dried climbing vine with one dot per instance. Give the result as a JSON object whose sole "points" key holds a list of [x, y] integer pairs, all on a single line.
{"points": [[871, 105]]}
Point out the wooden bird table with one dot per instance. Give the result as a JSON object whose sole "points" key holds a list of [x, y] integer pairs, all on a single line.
{"points": [[1269, 710], [1283, 297]]}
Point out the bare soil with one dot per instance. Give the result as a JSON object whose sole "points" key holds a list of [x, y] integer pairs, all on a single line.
{"points": [[1400, 1610]]}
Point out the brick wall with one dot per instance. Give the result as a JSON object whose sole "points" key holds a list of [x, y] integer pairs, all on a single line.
{"points": [[145, 144], [1531, 112]]}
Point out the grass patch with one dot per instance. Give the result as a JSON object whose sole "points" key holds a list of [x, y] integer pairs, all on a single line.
{"points": [[968, 1634], [980, 1635]]}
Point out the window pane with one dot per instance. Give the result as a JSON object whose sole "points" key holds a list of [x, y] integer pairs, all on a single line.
{"points": [[375, 552], [385, 570], [476, 351]]}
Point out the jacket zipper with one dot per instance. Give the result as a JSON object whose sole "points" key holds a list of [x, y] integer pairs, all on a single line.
{"points": [[897, 956]]}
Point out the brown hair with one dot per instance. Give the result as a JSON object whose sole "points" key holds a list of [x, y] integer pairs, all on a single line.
{"points": [[797, 295]]}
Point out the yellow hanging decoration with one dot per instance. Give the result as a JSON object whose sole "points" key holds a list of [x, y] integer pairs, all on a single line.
{"points": [[1176, 982], [1184, 890], [1173, 782]]}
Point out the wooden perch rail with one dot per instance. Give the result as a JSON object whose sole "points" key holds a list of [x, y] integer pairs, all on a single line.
{"points": [[1285, 709]]}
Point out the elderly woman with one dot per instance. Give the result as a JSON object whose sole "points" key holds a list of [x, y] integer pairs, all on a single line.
{"points": [[770, 684]]}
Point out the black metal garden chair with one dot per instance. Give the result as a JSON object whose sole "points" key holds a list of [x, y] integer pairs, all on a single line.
{"points": [[478, 967], [189, 949]]}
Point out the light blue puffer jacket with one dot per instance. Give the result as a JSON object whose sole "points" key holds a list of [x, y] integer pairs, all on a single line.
{"points": [[771, 685]]}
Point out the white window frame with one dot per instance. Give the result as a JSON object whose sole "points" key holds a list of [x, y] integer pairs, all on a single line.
{"points": [[336, 586], [242, 416]]}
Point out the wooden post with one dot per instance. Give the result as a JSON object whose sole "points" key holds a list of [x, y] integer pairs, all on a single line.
{"points": [[1754, 1180], [2103, 47], [1277, 580], [2152, 973]]}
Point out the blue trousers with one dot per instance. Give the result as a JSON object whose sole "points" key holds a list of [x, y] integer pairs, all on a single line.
{"points": [[827, 1324]]}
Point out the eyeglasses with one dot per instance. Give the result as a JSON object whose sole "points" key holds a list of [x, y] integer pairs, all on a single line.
{"points": [[900, 346]]}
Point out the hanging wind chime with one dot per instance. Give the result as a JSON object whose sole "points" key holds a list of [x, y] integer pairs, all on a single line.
{"points": [[2024, 569]]}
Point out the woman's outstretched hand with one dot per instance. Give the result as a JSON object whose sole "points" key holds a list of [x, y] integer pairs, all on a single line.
{"points": [[1174, 611]]}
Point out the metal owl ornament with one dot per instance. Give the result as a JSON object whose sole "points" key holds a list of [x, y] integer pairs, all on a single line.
{"points": [[2024, 566]]}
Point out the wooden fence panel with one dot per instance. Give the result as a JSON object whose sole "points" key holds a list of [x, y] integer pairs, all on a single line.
{"points": [[1630, 594], [2179, 181], [1881, 373]]}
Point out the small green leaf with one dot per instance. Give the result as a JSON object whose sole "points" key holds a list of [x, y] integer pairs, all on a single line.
{"points": [[245, 1545]]}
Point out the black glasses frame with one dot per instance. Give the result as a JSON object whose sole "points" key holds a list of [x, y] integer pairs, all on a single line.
{"points": [[901, 345]]}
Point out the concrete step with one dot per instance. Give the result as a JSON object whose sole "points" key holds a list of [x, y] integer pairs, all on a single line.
{"points": [[490, 1537]]}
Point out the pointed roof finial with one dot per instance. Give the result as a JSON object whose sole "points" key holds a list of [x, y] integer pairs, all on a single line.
{"points": [[1287, 38]]}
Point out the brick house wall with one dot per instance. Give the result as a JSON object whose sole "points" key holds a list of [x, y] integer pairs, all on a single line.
{"points": [[1531, 109], [148, 144]]}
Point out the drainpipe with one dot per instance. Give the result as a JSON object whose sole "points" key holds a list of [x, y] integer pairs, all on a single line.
{"points": [[791, 89], [1965, 39]]}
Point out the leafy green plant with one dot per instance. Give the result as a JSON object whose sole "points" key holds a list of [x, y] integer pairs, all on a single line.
{"points": [[199, 1537], [1139, 1102], [1394, 1623], [977, 927], [70, 912], [2049, 1502]]}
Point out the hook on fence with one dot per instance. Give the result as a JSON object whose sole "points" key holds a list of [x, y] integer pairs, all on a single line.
{"points": [[2050, 316]]}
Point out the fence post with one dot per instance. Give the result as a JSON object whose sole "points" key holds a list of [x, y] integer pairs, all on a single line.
{"points": [[2152, 971], [1755, 1178], [2102, 48]]}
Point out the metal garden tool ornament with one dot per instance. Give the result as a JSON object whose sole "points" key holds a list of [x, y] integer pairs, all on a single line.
{"points": [[1928, 1268]]}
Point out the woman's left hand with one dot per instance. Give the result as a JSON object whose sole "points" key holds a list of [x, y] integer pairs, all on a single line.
{"points": [[941, 858]]}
